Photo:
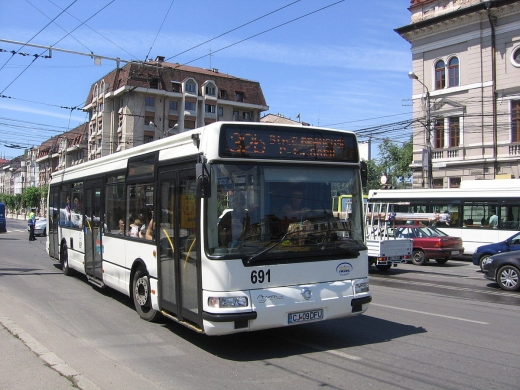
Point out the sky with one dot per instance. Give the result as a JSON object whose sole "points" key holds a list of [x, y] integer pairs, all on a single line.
{"points": [[337, 64]]}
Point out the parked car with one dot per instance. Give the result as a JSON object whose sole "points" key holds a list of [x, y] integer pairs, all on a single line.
{"points": [[484, 252], [430, 243], [504, 268], [40, 228]]}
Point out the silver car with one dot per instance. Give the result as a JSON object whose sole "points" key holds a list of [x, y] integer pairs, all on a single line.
{"points": [[40, 228]]}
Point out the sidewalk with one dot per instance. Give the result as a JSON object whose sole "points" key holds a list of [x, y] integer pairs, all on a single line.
{"points": [[27, 365]]}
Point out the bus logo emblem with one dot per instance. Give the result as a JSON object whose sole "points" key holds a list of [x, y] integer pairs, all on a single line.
{"points": [[344, 269], [306, 293]]}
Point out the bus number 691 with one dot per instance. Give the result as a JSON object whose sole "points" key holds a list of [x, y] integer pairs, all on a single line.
{"points": [[260, 276]]}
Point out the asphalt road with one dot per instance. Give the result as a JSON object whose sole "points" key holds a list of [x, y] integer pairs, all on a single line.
{"points": [[431, 327]]}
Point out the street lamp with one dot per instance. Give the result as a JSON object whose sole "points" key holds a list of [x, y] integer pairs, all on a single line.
{"points": [[413, 76]]}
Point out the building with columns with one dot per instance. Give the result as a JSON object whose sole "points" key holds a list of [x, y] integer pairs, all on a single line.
{"points": [[466, 90]]}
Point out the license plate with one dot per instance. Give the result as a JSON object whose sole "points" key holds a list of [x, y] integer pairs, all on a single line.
{"points": [[455, 252], [303, 316], [394, 257]]}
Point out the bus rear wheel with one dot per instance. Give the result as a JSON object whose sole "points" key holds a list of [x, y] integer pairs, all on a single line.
{"points": [[141, 295], [64, 258]]}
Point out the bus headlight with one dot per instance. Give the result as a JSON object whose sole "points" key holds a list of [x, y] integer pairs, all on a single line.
{"points": [[221, 302], [361, 287]]}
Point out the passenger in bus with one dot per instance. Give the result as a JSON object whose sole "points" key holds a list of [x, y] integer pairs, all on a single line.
{"points": [[135, 228], [295, 208], [148, 234], [121, 230], [493, 220], [234, 222], [75, 206]]}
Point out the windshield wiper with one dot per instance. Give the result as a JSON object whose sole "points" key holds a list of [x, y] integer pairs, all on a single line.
{"points": [[250, 259]]}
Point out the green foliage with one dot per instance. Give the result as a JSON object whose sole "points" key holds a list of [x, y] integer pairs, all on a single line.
{"points": [[32, 196], [394, 160]]}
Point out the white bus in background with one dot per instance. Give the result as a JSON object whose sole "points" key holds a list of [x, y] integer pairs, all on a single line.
{"points": [[212, 245], [470, 208]]}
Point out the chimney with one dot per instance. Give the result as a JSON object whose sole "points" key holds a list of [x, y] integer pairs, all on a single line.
{"points": [[159, 58]]}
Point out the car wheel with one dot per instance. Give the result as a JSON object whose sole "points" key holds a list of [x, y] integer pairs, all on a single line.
{"points": [[418, 257], [441, 261], [508, 278], [482, 260], [384, 267], [141, 294]]}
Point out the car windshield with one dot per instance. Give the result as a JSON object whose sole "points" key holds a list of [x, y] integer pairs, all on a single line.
{"points": [[259, 212], [419, 232]]}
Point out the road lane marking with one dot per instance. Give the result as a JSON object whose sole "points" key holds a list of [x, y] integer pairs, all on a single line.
{"points": [[430, 314], [318, 348]]}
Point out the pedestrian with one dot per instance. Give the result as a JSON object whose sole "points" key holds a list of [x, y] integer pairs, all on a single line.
{"points": [[31, 221]]}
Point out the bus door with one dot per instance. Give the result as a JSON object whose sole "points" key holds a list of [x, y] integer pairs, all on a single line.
{"points": [[53, 222], [179, 270], [92, 229]]}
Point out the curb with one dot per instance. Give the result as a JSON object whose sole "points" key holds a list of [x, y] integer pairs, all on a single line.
{"points": [[50, 359]]}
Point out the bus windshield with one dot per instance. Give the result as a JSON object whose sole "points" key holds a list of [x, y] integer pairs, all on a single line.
{"points": [[272, 213]]}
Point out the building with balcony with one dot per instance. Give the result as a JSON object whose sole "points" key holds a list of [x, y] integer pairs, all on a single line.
{"points": [[142, 102], [466, 92]]}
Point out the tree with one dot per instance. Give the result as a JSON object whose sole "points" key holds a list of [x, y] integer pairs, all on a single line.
{"points": [[395, 160], [32, 196]]}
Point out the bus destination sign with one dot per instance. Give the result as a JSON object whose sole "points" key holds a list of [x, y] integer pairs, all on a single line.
{"points": [[289, 143]]}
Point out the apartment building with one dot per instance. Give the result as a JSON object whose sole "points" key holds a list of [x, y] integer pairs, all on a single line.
{"points": [[143, 102], [466, 90]]}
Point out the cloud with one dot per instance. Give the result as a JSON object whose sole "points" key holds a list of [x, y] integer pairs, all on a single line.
{"points": [[45, 112]]}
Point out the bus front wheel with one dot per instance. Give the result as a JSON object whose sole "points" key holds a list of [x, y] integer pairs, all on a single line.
{"points": [[141, 295]]}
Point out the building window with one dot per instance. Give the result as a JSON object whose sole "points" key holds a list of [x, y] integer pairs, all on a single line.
{"points": [[515, 121], [240, 96], [235, 115], [190, 87], [189, 106], [438, 133], [172, 105], [454, 131], [154, 83], [149, 101], [210, 108], [220, 111], [171, 123], [453, 72], [438, 183], [246, 116], [222, 93], [148, 119], [210, 90], [440, 75], [147, 138], [176, 87], [189, 124], [454, 182]]}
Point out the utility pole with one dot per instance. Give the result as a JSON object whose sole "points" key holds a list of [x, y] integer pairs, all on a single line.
{"points": [[428, 183]]}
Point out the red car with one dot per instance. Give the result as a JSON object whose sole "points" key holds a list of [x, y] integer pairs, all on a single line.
{"points": [[430, 243]]}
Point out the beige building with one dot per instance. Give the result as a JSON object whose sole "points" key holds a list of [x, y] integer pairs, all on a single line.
{"points": [[142, 102], [466, 90]]}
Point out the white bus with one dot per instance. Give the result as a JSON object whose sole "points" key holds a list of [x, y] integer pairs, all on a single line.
{"points": [[471, 208], [195, 227]]}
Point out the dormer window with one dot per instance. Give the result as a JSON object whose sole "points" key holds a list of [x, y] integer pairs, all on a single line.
{"points": [[210, 90], [190, 87], [240, 96], [154, 83]]}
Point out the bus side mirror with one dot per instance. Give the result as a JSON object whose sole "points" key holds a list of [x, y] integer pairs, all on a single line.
{"points": [[203, 180], [364, 173]]}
